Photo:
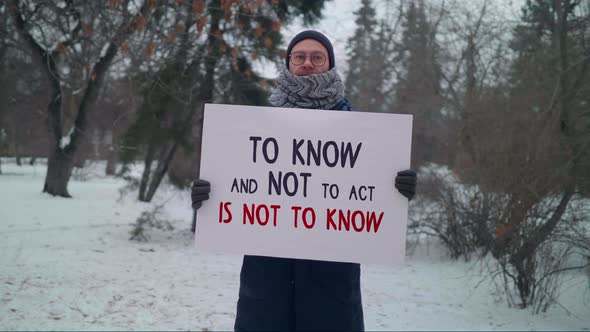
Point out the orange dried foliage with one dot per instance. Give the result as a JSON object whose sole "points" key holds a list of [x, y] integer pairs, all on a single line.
{"points": [[198, 7], [152, 4], [259, 31], [149, 50], [267, 42], [201, 22], [504, 233], [139, 23], [125, 49], [87, 28], [227, 9], [171, 37], [234, 57], [246, 8], [275, 2], [60, 47], [179, 28], [276, 26], [113, 3], [263, 84]]}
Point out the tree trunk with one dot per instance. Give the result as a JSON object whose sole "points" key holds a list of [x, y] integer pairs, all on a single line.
{"points": [[60, 162], [149, 184], [160, 172], [32, 161], [59, 170], [18, 160], [525, 280], [111, 161], [145, 176]]}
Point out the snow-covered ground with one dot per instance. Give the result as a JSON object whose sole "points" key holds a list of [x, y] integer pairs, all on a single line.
{"points": [[68, 264]]}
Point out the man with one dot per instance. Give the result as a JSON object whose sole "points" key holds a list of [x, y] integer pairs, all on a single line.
{"points": [[296, 294]]}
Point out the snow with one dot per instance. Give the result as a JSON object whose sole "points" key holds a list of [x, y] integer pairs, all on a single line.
{"points": [[65, 140], [134, 6], [104, 50], [68, 264], [77, 91]]}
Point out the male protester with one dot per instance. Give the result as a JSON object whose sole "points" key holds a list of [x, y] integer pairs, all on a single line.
{"points": [[297, 294]]}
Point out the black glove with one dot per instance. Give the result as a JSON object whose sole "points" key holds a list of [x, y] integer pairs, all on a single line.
{"points": [[200, 192], [405, 182]]}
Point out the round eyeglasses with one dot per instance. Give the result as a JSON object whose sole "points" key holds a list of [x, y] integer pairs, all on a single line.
{"points": [[318, 59]]}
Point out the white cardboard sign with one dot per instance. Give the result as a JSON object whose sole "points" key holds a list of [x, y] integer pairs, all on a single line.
{"points": [[300, 183]]}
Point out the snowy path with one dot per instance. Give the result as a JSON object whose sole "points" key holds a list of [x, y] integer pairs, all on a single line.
{"points": [[68, 264]]}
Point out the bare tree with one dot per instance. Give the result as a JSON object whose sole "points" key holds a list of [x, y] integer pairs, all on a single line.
{"points": [[78, 38], [522, 146]]}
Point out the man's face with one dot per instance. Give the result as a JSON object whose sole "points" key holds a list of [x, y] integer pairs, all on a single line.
{"points": [[313, 51]]}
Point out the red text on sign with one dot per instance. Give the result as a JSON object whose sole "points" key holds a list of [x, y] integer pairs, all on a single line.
{"points": [[224, 209], [308, 216], [262, 214], [359, 220]]}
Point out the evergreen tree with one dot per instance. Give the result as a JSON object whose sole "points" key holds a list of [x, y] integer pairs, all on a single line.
{"points": [[417, 91], [214, 67], [552, 55], [360, 84]]}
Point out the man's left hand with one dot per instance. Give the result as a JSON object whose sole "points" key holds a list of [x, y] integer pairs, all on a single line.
{"points": [[405, 182]]}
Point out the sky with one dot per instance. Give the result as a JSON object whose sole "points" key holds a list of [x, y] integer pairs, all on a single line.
{"points": [[338, 24]]}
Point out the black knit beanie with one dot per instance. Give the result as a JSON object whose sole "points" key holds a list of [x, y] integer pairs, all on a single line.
{"points": [[312, 34]]}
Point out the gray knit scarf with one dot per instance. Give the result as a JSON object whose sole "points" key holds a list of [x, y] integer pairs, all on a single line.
{"points": [[318, 91]]}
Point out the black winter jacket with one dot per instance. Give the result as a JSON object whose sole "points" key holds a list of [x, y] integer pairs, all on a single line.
{"points": [[283, 294]]}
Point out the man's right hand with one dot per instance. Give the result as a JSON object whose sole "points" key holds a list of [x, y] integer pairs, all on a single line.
{"points": [[200, 192]]}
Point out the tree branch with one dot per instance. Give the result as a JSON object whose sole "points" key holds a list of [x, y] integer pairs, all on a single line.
{"points": [[99, 72], [48, 66]]}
